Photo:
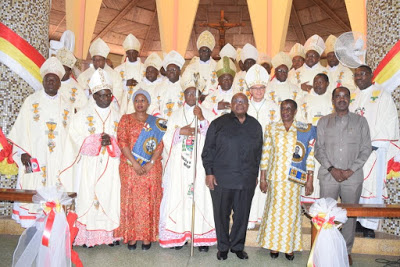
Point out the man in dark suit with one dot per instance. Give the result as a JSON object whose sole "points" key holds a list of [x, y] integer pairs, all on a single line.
{"points": [[231, 158]]}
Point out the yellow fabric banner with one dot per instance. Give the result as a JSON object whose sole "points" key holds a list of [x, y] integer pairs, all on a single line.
{"points": [[357, 11], [175, 19], [270, 20], [81, 16]]}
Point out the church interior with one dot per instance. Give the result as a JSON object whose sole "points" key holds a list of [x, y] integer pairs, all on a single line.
{"points": [[164, 25]]}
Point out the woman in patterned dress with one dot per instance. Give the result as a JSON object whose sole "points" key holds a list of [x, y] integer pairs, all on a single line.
{"points": [[280, 229], [141, 191]]}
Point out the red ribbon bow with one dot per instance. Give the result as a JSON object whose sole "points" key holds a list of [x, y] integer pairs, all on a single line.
{"points": [[320, 221], [49, 223]]}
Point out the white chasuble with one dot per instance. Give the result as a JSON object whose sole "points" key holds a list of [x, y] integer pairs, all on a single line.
{"points": [[71, 91], [211, 101], [278, 91], [266, 112], [129, 70], [179, 186], [239, 84], [94, 177], [312, 107], [208, 80], [305, 74], [153, 89], [340, 75], [309, 110], [378, 107], [171, 98], [40, 130], [117, 90]]}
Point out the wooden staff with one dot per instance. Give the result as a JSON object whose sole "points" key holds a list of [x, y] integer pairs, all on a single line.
{"points": [[196, 132]]}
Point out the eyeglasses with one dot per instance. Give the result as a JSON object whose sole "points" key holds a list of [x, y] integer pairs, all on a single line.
{"points": [[282, 71], [257, 88], [239, 101]]}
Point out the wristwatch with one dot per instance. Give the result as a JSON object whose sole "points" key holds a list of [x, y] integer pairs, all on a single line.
{"points": [[330, 168]]}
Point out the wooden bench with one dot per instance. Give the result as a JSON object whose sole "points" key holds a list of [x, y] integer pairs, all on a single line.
{"points": [[19, 195], [361, 210]]}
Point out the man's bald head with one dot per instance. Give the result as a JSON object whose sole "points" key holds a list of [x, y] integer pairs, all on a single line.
{"points": [[239, 104]]}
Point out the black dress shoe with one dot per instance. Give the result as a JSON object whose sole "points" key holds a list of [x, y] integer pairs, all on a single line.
{"points": [[132, 247], [115, 243], [289, 257], [368, 233], [241, 254], [222, 255], [203, 248], [274, 255], [359, 228], [146, 247]]}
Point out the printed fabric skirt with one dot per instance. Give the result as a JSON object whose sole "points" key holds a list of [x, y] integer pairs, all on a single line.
{"points": [[280, 228]]}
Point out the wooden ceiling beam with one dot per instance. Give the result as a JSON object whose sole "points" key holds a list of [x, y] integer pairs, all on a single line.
{"points": [[117, 19], [58, 25], [147, 42], [297, 26], [321, 4]]}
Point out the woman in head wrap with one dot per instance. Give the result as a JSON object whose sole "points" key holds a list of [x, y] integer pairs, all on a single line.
{"points": [[139, 137]]}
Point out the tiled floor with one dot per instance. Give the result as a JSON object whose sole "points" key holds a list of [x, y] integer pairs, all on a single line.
{"points": [[156, 256]]}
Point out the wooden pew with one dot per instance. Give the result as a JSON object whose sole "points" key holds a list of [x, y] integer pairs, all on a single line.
{"points": [[361, 210], [19, 195]]}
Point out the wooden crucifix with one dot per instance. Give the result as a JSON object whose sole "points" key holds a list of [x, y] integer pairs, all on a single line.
{"points": [[222, 26]]}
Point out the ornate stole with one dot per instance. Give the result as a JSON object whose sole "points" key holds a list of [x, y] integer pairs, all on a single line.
{"points": [[306, 134], [150, 136]]}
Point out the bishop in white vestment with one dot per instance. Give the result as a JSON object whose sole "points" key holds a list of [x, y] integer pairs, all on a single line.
{"points": [[38, 135], [150, 83], [204, 65], [218, 102], [131, 71], [280, 88], [179, 186], [99, 51], [171, 93], [70, 90], [91, 161], [339, 75], [266, 112], [297, 54], [304, 76], [377, 106], [248, 56]]}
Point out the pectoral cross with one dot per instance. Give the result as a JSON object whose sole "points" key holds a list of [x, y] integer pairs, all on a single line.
{"points": [[222, 26]]}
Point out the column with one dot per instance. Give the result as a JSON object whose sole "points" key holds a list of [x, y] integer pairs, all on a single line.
{"points": [[382, 33], [270, 20], [175, 19], [30, 20]]}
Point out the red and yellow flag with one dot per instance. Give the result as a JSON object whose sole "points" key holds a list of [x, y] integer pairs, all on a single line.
{"points": [[17, 54], [387, 73]]}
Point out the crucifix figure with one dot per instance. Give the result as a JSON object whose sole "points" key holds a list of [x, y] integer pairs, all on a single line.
{"points": [[222, 26]]}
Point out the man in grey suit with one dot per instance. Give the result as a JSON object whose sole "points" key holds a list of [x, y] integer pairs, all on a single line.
{"points": [[343, 146]]}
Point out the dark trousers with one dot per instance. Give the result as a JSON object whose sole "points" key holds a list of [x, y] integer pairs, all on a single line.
{"points": [[224, 201]]}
